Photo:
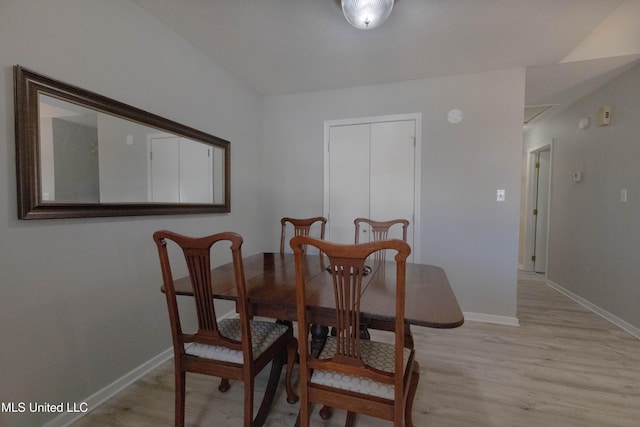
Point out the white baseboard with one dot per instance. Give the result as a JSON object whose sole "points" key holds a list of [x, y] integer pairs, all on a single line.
{"points": [[597, 310], [491, 318], [101, 396]]}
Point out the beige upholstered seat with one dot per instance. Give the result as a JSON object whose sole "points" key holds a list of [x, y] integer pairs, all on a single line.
{"points": [[378, 355], [263, 335]]}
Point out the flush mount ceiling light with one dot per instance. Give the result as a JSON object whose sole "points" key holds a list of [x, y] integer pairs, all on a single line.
{"points": [[366, 14]]}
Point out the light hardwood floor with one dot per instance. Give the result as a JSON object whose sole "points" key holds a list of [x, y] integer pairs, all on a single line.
{"points": [[563, 366]]}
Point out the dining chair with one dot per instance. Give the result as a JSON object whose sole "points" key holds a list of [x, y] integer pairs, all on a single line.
{"points": [[380, 229], [357, 375], [301, 227], [236, 348]]}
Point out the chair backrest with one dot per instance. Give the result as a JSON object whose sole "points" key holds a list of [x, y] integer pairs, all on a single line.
{"points": [[347, 267], [301, 227], [197, 255], [380, 229]]}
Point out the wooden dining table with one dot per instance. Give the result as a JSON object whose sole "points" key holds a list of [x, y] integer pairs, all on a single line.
{"points": [[271, 291]]}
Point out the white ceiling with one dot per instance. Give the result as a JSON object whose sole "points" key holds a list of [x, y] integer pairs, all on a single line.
{"points": [[288, 46]]}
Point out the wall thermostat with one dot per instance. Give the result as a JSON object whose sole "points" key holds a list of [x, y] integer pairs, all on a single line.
{"points": [[604, 115]]}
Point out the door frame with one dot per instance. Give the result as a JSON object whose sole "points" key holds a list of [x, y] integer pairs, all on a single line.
{"points": [[530, 203], [417, 118]]}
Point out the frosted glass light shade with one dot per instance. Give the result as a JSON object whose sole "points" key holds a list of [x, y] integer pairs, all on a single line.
{"points": [[366, 14]]}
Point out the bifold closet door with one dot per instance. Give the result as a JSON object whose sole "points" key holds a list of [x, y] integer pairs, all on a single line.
{"points": [[348, 179], [371, 174], [180, 170]]}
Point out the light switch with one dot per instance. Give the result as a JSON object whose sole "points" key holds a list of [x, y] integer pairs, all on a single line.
{"points": [[623, 196], [500, 196]]}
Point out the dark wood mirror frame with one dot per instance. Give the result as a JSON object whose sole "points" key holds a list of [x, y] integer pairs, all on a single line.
{"points": [[28, 85]]}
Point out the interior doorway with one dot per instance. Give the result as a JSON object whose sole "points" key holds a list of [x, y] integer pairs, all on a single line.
{"points": [[538, 209]]}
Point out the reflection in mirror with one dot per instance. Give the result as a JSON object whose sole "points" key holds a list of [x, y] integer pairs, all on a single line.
{"points": [[80, 154], [88, 156], [68, 134]]}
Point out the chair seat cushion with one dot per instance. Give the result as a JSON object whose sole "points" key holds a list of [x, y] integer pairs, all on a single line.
{"points": [[375, 354], [263, 334]]}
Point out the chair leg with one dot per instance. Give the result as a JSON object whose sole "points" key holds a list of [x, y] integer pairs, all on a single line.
{"points": [[326, 412], [411, 394], [351, 419], [224, 385], [180, 396], [292, 352], [270, 391], [408, 337], [248, 405], [304, 415]]}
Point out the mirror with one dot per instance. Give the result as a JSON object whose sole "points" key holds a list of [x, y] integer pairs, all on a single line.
{"points": [[80, 154]]}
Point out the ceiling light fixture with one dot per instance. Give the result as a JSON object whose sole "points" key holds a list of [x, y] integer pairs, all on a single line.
{"points": [[366, 14]]}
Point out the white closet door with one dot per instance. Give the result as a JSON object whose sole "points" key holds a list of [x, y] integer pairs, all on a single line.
{"points": [[372, 170], [392, 174], [372, 175], [348, 180], [165, 173], [196, 180]]}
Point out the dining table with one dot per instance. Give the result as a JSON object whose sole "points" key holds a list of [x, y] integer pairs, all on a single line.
{"points": [[270, 280]]}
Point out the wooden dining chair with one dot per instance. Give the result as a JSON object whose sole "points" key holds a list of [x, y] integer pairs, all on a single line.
{"points": [[301, 227], [351, 373], [237, 348], [380, 229]]}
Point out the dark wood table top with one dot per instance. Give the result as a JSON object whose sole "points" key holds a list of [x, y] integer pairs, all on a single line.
{"points": [[270, 280]]}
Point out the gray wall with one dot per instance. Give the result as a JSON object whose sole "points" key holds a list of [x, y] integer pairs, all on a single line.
{"points": [[80, 304], [594, 238], [76, 174], [463, 228], [123, 167]]}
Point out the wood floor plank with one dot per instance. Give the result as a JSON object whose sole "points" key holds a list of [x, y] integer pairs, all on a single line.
{"points": [[563, 366]]}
